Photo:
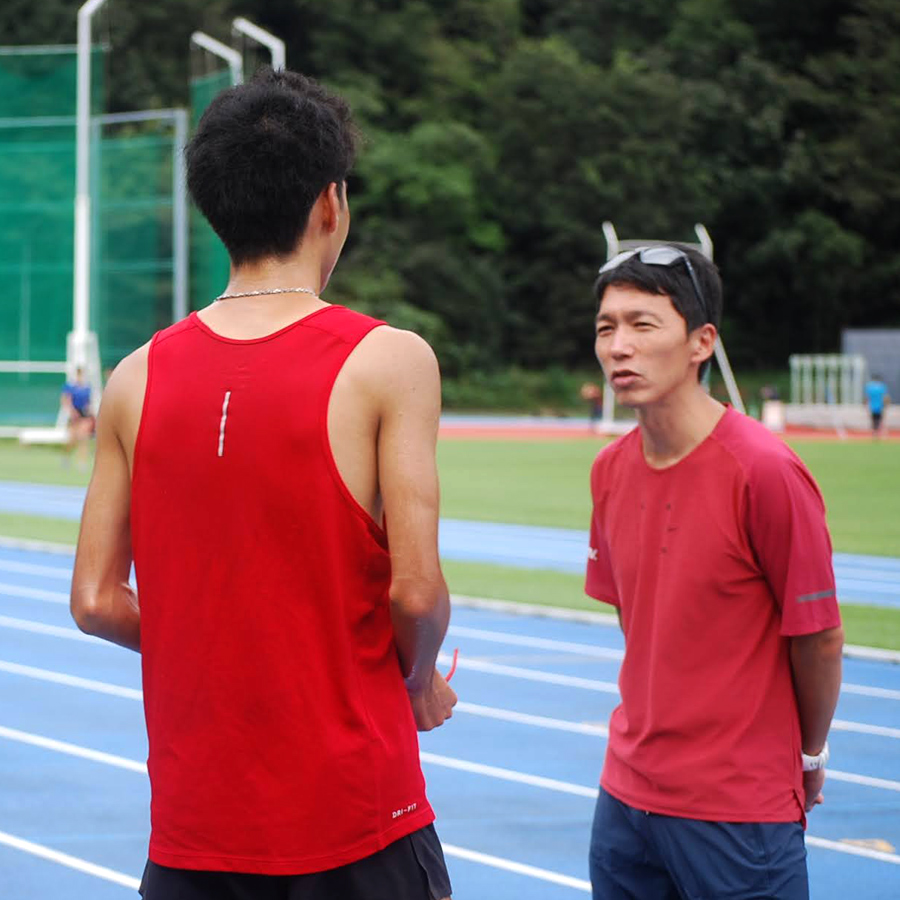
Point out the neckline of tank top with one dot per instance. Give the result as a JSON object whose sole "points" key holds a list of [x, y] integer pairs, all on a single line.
{"points": [[199, 323]]}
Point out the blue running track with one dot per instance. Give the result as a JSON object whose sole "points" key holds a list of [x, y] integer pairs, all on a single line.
{"points": [[871, 580], [512, 776]]}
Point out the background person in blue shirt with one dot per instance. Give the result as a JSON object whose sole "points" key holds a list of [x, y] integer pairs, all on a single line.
{"points": [[878, 400], [76, 402]]}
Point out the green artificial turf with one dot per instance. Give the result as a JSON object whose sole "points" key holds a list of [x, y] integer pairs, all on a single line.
{"points": [[546, 483], [870, 626], [38, 528]]}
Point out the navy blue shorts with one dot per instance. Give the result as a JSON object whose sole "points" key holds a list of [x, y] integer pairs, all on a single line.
{"points": [[411, 868], [637, 855]]}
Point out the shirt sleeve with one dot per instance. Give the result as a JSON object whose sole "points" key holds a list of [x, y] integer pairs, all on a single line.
{"points": [[599, 582], [786, 521]]}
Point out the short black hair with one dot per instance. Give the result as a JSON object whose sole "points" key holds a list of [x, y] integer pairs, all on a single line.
{"points": [[263, 153], [675, 282]]}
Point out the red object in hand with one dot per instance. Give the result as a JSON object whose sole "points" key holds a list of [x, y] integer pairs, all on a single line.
{"points": [[453, 665]]}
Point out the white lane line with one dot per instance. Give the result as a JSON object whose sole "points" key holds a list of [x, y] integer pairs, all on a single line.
{"points": [[71, 862], [498, 862], [490, 712], [610, 653], [17, 591], [509, 715], [865, 690], [851, 778], [37, 740], [609, 687], [862, 728], [450, 849], [519, 640], [88, 684], [490, 668], [590, 684], [550, 784], [853, 850], [71, 634], [8, 565]]}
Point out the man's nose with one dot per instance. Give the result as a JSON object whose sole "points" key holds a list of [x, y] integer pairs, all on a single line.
{"points": [[621, 345]]}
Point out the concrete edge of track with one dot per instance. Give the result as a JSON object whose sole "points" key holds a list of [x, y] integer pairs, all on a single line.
{"points": [[853, 651]]}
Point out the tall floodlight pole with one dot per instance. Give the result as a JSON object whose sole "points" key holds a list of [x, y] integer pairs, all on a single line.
{"points": [[261, 36], [223, 51], [81, 294]]}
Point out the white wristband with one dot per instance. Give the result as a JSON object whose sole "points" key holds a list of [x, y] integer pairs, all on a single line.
{"points": [[812, 763]]}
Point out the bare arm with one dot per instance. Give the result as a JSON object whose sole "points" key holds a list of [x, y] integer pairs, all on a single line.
{"points": [[816, 666], [408, 481], [102, 601]]}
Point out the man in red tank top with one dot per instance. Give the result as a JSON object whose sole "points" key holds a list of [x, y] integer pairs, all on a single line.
{"points": [[708, 535], [269, 466]]}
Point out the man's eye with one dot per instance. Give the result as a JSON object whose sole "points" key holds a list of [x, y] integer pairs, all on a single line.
{"points": [[643, 324], [603, 330]]}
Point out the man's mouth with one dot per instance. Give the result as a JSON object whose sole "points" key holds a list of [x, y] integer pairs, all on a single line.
{"points": [[624, 377]]}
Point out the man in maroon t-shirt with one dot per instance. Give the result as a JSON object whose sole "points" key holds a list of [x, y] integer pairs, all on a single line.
{"points": [[708, 535]]}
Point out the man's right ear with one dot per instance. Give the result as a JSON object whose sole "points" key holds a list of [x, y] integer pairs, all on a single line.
{"points": [[332, 201]]}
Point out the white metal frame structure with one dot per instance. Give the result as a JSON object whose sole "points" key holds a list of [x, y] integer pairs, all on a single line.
{"points": [[274, 45], [81, 344], [705, 245], [234, 59]]}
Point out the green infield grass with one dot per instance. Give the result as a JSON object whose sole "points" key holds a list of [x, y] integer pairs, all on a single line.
{"points": [[870, 626], [546, 483]]}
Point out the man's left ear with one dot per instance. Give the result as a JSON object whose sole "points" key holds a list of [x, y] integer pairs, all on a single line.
{"points": [[706, 336]]}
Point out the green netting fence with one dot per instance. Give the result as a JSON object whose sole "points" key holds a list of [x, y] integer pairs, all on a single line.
{"points": [[132, 236]]}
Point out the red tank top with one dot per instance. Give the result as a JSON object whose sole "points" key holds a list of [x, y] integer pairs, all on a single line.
{"points": [[281, 738]]}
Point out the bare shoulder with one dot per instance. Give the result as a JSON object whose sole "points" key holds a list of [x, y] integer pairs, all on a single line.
{"points": [[129, 377], [390, 358], [123, 397]]}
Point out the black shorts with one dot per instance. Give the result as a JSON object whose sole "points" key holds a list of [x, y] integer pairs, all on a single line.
{"points": [[412, 868], [876, 421]]}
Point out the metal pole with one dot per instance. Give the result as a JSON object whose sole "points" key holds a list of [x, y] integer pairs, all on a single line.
{"points": [[261, 36], [217, 48], [706, 244], [612, 240], [179, 220], [81, 298]]}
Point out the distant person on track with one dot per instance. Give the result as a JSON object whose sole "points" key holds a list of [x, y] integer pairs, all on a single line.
{"points": [[75, 402], [592, 394], [270, 463], [878, 400], [708, 535]]}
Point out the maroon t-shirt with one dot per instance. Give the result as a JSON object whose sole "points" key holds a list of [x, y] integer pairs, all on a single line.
{"points": [[714, 563], [282, 740]]}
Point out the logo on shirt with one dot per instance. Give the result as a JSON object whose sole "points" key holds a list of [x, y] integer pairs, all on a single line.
{"points": [[592, 554], [402, 812]]}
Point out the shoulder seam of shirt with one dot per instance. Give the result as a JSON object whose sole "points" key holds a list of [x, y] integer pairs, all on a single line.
{"points": [[172, 331], [315, 326]]}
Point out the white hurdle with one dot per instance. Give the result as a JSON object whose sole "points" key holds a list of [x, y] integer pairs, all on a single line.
{"points": [[827, 378]]}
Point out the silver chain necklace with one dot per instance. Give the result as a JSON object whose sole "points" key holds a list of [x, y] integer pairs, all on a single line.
{"points": [[293, 290]]}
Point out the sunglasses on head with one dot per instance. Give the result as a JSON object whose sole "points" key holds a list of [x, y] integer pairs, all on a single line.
{"points": [[660, 255]]}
